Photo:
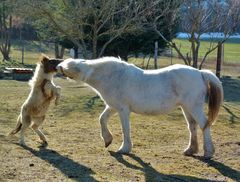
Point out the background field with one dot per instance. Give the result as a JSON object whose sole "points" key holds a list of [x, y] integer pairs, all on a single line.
{"points": [[76, 151], [33, 50]]}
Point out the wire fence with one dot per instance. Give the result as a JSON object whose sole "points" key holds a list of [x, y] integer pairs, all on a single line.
{"points": [[29, 52]]}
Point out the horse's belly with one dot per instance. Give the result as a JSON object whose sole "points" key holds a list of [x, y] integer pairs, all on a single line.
{"points": [[152, 108]]}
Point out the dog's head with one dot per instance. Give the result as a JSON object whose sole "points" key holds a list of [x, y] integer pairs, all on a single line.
{"points": [[50, 64]]}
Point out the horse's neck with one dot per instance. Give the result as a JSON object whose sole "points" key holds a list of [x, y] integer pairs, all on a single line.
{"points": [[96, 76]]}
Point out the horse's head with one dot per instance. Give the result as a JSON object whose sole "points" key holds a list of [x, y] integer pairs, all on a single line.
{"points": [[72, 68]]}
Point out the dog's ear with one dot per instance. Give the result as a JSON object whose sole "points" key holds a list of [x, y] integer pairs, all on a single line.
{"points": [[44, 58]]}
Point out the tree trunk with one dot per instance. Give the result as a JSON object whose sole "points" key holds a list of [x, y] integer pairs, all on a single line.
{"points": [[6, 56], [94, 40], [62, 52], [56, 50], [5, 29], [155, 55], [125, 57], [194, 54], [59, 51], [75, 52], [94, 54]]}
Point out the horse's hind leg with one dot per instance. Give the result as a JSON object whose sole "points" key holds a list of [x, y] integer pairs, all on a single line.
{"points": [[198, 114], [105, 133], [26, 121], [193, 141], [35, 127]]}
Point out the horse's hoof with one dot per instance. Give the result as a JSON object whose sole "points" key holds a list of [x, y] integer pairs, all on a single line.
{"points": [[124, 150], [107, 140], [208, 155], [23, 144], [108, 143], [190, 152], [44, 144]]}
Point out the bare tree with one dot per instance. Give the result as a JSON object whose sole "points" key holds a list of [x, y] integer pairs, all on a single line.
{"points": [[6, 20], [200, 16], [86, 23]]}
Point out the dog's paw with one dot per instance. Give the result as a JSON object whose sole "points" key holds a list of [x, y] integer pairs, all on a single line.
{"points": [[56, 102]]}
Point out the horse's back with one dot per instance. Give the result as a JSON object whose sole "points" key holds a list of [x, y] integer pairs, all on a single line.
{"points": [[159, 91], [147, 91]]}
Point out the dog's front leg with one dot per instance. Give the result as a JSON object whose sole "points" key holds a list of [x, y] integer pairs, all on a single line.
{"points": [[57, 93]]}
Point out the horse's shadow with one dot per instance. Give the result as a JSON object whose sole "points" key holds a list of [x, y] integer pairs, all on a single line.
{"points": [[71, 169], [152, 174], [222, 168]]}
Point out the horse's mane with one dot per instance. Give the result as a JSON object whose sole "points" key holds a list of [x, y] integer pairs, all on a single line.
{"points": [[110, 61]]}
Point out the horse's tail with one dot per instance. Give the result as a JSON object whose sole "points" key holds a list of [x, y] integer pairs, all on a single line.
{"points": [[215, 95], [18, 126]]}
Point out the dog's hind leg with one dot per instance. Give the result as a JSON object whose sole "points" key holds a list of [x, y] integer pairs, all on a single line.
{"points": [[35, 126], [18, 126], [26, 121]]}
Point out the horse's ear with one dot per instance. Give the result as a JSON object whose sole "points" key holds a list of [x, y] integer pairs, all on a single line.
{"points": [[44, 58]]}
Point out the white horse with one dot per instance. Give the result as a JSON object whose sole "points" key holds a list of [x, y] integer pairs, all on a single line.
{"points": [[126, 88]]}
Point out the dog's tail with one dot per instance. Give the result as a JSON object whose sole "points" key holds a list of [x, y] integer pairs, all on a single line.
{"points": [[215, 95], [18, 126]]}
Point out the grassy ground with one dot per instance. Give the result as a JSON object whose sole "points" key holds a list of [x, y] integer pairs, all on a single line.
{"points": [[76, 151]]}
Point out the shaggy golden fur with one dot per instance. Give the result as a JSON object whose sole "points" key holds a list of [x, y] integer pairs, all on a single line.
{"points": [[43, 91]]}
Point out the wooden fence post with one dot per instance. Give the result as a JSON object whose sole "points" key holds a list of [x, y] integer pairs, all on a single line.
{"points": [[219, 59], [155, 54]]}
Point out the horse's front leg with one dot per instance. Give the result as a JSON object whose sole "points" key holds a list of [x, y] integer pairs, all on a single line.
{"points": [[126, 146], [105, 133]]}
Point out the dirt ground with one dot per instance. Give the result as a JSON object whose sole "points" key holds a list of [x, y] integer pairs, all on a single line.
{"points": [[76, 151]]}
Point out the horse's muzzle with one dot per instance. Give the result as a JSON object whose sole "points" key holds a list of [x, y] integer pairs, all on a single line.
{"points": [[60, 70]]}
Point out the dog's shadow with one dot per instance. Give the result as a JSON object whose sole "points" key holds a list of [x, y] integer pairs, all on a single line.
{"points": [[152, 174], [71, 169]]}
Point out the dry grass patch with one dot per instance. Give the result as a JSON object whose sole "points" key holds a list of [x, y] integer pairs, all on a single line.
{"points": [[76, 151]]}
